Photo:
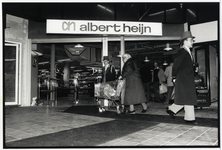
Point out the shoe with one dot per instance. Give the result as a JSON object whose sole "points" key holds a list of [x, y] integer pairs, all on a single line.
{"points": [[172, 114], [194, 122], [144, 110], [100, 110], [132, 112], [103, 109], [118, 112]]}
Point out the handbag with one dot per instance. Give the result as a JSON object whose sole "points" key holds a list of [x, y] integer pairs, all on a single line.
{"points": [[163, 88]]}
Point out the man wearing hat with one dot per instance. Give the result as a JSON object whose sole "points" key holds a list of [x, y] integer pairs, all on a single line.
{"points": [[109, 73], [183, 78], [146, 77]]}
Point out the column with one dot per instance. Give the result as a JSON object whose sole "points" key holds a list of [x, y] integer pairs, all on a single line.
{"points": [[105, 46], [52, 73], [66, 74], [122, 50]]}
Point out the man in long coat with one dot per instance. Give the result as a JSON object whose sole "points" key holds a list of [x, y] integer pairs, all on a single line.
{"points": [[183, 77]]}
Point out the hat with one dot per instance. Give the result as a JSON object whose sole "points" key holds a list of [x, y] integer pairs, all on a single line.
{"points": [[186, 34], [106, 58]]}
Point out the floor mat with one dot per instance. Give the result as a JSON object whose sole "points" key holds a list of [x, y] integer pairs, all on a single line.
{"points": [[93, 111], [89, 136], [94, 135]]}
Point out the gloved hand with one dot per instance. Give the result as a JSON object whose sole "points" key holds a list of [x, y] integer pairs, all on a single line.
{"points": [[174, 80], [120, 77]]}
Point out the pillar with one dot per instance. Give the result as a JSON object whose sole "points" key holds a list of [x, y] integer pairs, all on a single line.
{"points": [[122, 50], [105, 46], [66, 74], [52, 73]]}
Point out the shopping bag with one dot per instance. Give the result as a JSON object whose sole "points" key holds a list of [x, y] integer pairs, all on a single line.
{"points": [[163, 88], [97, 89], [120, 85], [108, 91]]}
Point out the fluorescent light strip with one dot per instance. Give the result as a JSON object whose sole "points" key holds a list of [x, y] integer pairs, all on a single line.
{"points": [[61, 60], [156, 13], [42, 63], [105, 8], [37, 53], [191, 12], [162, 12], [9, 59], [170, 9]]}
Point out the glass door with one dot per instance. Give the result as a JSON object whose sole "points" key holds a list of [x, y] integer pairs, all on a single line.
{"points": [[11, 73]]}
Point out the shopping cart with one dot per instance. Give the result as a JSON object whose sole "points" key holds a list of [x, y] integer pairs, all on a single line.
{"points": [[107, 94]]}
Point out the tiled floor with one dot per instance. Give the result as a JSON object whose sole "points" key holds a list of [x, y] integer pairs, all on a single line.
{"points": [[24, 126]]}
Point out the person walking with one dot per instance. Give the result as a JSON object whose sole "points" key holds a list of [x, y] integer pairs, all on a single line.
{"points": [[134, 91], [162, 80], [109, 74], [146, 77], [156, 83], [183, 77], [170, 86]]}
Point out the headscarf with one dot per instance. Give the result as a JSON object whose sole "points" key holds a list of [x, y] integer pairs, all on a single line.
{"points": [[127, 56]]}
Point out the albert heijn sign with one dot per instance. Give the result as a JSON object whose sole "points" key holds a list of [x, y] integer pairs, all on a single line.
{"points": [[103, 27]]}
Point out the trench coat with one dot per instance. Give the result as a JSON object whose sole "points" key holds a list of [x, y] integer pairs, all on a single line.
{"points": [[185, 91], [134, 91]]}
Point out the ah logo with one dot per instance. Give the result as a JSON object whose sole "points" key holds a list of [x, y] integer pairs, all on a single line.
{"points": [[67, 26]]}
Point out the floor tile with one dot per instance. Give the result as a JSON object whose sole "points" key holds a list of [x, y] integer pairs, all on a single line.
{"points": [[20, 125], [201, 143]]}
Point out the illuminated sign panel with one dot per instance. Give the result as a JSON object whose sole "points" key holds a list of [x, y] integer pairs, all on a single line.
{"points": [[103, 27]]}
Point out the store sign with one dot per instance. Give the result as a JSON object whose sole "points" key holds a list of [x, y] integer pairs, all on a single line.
{"points": [[103, 27]]}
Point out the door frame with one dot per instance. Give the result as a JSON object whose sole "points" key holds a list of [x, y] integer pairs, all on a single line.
{"points": [[17, 73]]}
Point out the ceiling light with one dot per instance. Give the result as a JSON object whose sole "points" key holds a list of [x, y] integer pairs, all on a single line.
{"points": [[43, 63], [165, 63], [146, 59], [168, 48], [156, 13], [37, 52], [105, 8], [9, 59], [191, 12], [170, 9], [78, 46], [62, 60]]}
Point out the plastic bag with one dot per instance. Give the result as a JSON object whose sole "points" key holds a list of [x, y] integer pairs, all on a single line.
{"points": [[163, 88], [97, 90], [108, 91], [105, 90], [120, 85]]}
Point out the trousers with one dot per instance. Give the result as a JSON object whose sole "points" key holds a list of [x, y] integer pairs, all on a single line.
{"points": [[189, 114]]}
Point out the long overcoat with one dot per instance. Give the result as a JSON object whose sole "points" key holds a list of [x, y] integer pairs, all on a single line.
{"points": [[185, 91], [134, 91]]}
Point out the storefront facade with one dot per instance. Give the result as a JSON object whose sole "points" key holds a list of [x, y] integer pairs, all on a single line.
{"points": [[23, 36]]}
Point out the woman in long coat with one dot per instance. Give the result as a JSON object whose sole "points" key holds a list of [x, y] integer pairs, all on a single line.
{"points": [[134, 91], [183, 76]]}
